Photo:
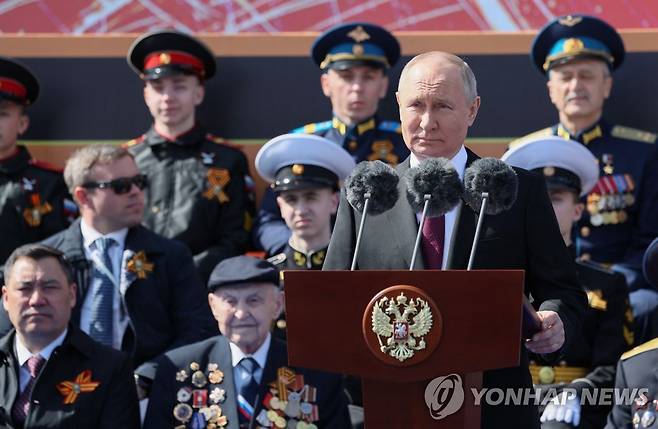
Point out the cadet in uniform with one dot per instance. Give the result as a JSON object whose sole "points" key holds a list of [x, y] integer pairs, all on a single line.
{"points": [[34, 201], [578, 54], [570, 171], [354, 59], [198, 191], [241, 379], [305, 172], [637, 370]]}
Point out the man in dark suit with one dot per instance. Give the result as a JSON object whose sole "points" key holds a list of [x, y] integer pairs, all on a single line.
{"points": [[138, 292], [241, 379], [51, 373], [438, 102]]}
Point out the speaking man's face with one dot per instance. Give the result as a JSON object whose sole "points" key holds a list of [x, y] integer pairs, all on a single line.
{"points": [[434, 111]]}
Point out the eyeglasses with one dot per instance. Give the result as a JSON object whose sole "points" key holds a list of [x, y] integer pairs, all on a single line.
{"points": [[122, 185]]}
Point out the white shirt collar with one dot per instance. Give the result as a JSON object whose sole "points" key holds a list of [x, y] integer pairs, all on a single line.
{"points": [[458, 161], [23, 354], [89, 235], [261, 354]]}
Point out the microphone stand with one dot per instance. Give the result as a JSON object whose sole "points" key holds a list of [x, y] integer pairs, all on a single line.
{"points": [[478, 230], [367, 196], [427, 198]]}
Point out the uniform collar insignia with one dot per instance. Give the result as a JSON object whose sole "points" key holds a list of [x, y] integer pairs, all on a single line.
{"points": [[81, 384], [361, 128]]}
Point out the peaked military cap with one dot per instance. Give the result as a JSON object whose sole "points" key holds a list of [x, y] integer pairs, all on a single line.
{"points": [[240, 270], [650, 263], [301, 161], [577, 36], [356, 43], [169, 53], [17, 83], [565, 164]]}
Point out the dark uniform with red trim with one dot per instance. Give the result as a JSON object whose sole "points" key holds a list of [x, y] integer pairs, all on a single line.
{"points": [[342, 47], [199, 185], [34, 200]]}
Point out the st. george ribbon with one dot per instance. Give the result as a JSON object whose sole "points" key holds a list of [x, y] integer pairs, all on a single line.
{"points": [[371, 188], [433, 188]]}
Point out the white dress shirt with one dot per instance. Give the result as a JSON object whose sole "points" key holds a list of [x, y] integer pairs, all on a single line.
{"points": [[23, 354], [459, 162], [259, 356], [120, 320]]}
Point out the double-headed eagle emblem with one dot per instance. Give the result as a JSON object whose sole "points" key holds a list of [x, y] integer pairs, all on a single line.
{"points": [[401, 324]]}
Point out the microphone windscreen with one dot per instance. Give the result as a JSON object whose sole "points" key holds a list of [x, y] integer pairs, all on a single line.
{"points": [[438, 178], [493, 176], [378, 179]]}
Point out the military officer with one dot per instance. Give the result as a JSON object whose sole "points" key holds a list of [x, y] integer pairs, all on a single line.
{"points": [[34, 201], [578, 54], [571, 172], [305, 172], [199, 193], [241, 379], [354, 59], [637, 370]]}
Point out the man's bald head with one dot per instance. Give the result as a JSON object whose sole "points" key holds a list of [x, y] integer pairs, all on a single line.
{"points": [[436, 59]]}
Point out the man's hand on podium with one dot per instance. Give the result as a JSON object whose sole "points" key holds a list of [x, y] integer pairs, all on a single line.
{"points": [[551, 337]]}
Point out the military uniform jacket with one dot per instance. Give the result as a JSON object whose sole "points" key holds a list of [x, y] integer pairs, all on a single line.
{"points": [[637, 369], [370, 140], [162, 294], [293, 259], [197, 193], [111, 404], [620, 217], [510, 240], [174, 374], [34, 202]]}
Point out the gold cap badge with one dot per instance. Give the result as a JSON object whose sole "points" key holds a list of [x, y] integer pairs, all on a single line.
{"points": [[570, 21], [573, 45], [297, 169], [359, 34], [165, 58]]}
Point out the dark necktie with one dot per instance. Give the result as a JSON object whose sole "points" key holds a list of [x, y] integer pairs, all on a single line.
{"points": [[433, 237], [248, 389], [102, 311], [22, 405]]}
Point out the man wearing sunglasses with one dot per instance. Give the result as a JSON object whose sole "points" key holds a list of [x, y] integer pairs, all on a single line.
{"points": [[199, 194], [138, 291]]}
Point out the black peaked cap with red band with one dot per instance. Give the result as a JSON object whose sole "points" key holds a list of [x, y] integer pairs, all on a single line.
{"points": [[17, 82]]}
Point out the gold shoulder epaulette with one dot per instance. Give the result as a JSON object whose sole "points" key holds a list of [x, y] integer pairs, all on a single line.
{"points": [[650, 345], [548, 131], [633, 134], [277, 259]]}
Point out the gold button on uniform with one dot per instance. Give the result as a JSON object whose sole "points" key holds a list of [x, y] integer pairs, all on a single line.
{"points": [[584, 231]]}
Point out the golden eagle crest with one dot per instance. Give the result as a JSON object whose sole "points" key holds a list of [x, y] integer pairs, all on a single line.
{"points": [[401, 324]]}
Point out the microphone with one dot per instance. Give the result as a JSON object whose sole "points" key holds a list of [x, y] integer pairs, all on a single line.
{"points": [[490, 187], [372, 187], [433, 188]]}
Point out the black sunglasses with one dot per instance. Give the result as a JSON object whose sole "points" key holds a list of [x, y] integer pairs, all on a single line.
{"points": [[122, 185]]}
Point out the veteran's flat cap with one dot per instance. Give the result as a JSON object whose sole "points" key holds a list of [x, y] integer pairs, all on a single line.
{"points": [[240, 270]]}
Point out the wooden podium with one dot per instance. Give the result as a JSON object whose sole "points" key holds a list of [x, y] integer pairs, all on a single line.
{"points": [[478, 328]]}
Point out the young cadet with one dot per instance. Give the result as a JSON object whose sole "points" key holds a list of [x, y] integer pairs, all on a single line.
{"points": [[241, 379], [354, 60], [198, 189], [571, 171], [578, 54], [34, 201], [305, 172]]}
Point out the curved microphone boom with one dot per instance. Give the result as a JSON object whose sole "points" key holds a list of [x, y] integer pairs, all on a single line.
{"points": [[372, 187], [433, 188], [490, 187]]}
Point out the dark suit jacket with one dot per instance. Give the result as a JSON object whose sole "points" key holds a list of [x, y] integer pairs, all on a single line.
{"points": [[331, 400], [524, 237], [113, 404], [167, 309]]}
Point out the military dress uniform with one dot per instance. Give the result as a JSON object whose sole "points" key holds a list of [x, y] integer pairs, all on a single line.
{"points": [[34, 200], [342, 47], [589, 361], [200, 192], [293, 259]]}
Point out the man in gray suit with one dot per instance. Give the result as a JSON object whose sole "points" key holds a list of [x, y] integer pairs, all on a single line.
{"points": [[438, 102]]}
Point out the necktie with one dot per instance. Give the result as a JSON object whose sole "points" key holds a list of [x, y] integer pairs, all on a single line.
{"points": [[433, 237], [102, 312], [22, 405], [248, 389]]}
